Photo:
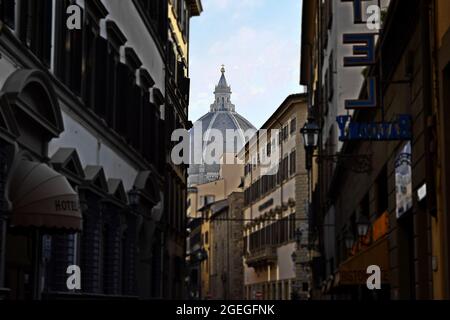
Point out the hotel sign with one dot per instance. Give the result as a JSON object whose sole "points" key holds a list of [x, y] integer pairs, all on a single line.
{"points": [[363, 54]]}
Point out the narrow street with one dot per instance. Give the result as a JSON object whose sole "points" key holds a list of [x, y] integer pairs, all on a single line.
{"points": [[211, 151]]}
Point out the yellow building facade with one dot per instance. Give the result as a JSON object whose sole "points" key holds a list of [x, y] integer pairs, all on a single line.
{"points": [[201, 199]]}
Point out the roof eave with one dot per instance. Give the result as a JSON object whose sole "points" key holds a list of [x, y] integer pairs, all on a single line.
{"points": [[196, 7], [308, 24]]}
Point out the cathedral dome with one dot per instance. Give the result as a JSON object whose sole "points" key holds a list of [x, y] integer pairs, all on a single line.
{"points": [[222, 118]]}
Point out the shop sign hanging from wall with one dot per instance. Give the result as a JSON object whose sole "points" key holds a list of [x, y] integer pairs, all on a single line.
{"points": [[364, 55]]}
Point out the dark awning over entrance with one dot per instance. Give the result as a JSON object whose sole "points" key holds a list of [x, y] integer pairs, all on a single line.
{"points": [[41, 197]]}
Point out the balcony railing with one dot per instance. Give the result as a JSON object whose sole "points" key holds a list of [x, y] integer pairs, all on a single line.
{"points": [[261, 257]]}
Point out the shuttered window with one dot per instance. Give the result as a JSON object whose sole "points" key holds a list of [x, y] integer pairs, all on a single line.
{"points": [[292, 163], [101, 71], [112, 94], [89, 62], [293, 126], [148, 128], [123, 82], [68, 50], [292, 226], [36, 27], [134, 116]]}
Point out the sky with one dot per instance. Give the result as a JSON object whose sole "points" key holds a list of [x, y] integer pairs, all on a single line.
{"points": [[258, 41]]}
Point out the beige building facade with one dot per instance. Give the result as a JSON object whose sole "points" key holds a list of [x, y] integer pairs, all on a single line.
{"points": [[210, 203], [275, 218]]}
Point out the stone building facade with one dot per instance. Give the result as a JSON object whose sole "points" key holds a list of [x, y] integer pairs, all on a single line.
{"points": [[84, 119], [398, 192], [227, 246], [276, 262], [203, 201]]}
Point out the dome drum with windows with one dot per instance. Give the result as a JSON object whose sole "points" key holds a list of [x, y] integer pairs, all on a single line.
{"points": [[222, 117]]}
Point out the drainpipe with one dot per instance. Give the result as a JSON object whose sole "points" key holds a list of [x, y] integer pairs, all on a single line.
{"points": [[424, 221], [3, 214], [320, 180]]}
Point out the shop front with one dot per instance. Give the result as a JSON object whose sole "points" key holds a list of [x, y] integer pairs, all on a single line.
{"points": [[36, 200], [350, 281]]}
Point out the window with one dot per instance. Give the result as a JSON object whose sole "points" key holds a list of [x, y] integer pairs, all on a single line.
{"points": [[124, 80], [292, 226], [112, 83], [7, 12], [268, 235], [156, 13], [330, 78], [135, 116], [382, 191], [293, 126], [283, 227], [284, 168], [209, 199], [68, 50], [151, 132], [35, 26], [305, 287], [292, 163], [275, 233], [101, 78]]}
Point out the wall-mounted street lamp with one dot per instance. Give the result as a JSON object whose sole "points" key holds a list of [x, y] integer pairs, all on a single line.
{"points": [[201, 255], [363, 225], [354, 162], [310, 133], [357, 163], [349, 240]]}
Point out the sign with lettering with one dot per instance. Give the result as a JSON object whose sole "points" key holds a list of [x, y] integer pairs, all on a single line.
{"points": [[266, 205], [403, 181], [375, 131], [66, 205], [363, 54]]}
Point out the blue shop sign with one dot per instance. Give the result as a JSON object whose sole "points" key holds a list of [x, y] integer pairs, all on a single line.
{"points": [[375, 131], [363, 54]]}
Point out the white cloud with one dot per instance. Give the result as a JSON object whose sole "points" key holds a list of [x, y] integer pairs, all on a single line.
{"points": [[262, 65]]}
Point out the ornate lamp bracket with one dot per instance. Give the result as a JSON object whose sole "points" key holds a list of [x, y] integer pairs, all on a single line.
{"points": [[358, 163]]}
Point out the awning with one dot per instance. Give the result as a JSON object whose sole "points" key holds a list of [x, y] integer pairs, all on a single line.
{"points": [[41, 197], [354, 270]]}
